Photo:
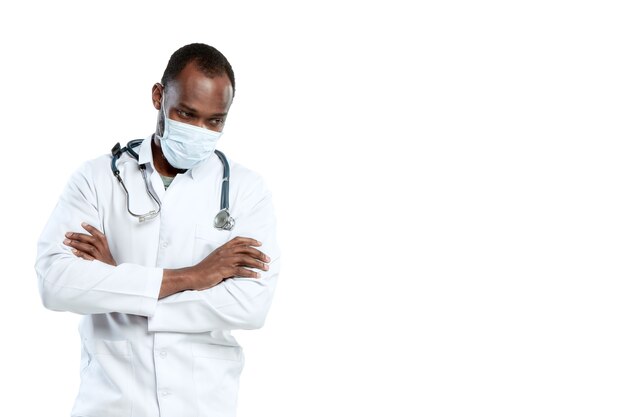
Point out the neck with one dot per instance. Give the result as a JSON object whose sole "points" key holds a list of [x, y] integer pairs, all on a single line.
{"points": [[160, 163]]}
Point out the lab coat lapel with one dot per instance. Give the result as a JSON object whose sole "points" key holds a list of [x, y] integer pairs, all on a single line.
{"points": [[145, 157]]}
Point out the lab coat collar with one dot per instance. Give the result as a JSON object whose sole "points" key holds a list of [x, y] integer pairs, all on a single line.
{"points": [[145, 152], [145, 157]]}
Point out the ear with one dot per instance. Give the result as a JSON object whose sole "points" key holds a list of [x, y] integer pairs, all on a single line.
{"points": [[157, 95]]}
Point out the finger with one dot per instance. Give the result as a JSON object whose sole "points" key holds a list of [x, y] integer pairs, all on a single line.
{"points": [[83, 247], [255, 253], [95, 232], [248, 241], [250, 262], [246, 273], [82, 255], [81, 237]]}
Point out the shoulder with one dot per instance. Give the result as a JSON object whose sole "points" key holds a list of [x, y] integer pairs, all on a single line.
{"points": [[89, 169], [246, 180], [93, 170], [95, 176], [251, 199]]}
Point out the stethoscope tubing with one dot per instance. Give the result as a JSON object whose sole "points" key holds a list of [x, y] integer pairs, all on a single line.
{"points": [[223, 220]]}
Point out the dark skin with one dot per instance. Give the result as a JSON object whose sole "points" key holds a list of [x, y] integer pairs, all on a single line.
{"points": [[202, 101]]}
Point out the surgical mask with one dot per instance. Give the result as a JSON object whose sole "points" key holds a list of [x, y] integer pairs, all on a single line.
{"points": [[185, 145]]}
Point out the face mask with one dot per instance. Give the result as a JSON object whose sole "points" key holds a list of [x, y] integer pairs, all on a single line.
{"points": [[185, 145]]}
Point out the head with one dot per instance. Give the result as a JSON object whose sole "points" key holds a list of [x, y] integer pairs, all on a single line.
{"points": [[197, 88]]}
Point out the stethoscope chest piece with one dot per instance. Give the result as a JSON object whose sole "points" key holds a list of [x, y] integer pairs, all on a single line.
{"points": [[223, 221]]}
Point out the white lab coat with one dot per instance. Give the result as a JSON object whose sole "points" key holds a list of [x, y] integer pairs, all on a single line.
{"points": [[144, 357]]}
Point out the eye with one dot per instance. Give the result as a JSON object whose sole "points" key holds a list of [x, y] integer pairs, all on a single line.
{"points": [[184, 114], [217, 122]]}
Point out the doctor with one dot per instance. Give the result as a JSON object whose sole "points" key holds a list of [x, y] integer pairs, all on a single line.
{"points": [[159, 297]]}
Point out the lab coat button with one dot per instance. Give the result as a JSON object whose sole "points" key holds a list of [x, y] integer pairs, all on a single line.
{"points": [[164, 245], [163, 354]]}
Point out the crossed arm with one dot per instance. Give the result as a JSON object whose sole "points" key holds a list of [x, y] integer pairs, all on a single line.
{"points": [[234, 258], [221, 292]]}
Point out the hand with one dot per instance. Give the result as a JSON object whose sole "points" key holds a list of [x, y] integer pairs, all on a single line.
{"points": [[231, 259], [91, 246]]}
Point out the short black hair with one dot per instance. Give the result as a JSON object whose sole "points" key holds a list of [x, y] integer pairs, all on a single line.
{"points": [[208, 59]]}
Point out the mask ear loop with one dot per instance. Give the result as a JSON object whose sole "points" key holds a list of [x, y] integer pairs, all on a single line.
{"points": [[162, 109], [163, 134]]}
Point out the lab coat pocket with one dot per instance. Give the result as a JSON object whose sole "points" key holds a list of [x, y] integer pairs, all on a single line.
{"points": [[207, 239], [216, 372], [107, 383]]}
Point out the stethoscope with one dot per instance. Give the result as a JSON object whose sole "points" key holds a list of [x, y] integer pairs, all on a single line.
{"points": [[223, 219]]}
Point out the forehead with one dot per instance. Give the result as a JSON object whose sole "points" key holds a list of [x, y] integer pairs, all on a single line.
{"points": [[197, 90]]}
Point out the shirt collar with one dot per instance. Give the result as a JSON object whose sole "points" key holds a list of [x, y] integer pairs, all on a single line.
{"points": [[145, 157]]}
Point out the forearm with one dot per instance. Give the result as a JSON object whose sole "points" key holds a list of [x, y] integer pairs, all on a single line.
{"points": [[174, 280], [228, 304], [177, 280], [235, 303], [70, 284]]}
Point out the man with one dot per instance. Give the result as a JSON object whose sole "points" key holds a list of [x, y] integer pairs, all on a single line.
{"points": [[160, 292]]}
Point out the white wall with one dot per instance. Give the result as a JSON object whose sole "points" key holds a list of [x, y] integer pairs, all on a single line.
{"points": [[448, 176]]}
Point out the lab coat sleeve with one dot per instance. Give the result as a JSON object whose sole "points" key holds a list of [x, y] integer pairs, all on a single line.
{"points": [[235, 303], [69, 283]]}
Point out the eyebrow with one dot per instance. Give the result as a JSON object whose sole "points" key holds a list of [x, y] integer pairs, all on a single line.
{"points": [[192, 110], [186, 107]]}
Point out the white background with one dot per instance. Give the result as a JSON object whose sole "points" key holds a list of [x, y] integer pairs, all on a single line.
{"points": [[448, 178]]}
